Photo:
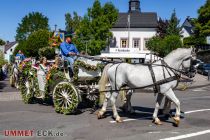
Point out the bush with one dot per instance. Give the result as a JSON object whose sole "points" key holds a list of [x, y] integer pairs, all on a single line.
{"points": [[171, 43], [194, 41], [48, 52], [2, 60], [164, 46]]}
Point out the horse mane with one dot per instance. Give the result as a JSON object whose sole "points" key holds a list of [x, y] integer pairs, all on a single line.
{"points": [[178, 52]]}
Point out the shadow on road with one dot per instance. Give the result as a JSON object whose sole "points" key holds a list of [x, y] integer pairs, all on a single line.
{"points": [[2, 85]]}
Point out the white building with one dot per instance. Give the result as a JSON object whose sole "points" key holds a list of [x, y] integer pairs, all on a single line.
{"points": [[187, 28], [8, 50], [130, 34]]}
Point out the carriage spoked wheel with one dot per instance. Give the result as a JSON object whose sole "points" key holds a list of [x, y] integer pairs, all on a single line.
{"points": [[65, 98], [26, 91]]}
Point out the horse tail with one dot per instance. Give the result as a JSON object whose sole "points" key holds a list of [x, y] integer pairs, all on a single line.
{"points": [[102, 83]]}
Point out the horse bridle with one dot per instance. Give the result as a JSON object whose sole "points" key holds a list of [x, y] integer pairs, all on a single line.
{"points": [[191, 69]]}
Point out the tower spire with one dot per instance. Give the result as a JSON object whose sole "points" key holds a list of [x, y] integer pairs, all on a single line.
{"points": [[134, 6]]}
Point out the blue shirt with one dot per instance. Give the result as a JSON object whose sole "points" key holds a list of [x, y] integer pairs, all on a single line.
{"points": [[66, 48], [22, 56]]}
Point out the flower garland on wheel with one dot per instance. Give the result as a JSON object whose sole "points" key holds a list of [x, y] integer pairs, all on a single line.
{"points": [[26, 78]]}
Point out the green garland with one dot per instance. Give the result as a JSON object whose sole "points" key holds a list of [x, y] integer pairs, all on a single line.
{"points": [[25, 70], [55, 76], [27, 98], [88, 67]]}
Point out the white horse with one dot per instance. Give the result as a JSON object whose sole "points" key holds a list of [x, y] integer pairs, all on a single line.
{"points": [[134, 76]]}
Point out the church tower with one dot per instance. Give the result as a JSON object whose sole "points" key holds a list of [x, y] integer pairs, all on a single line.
{"points": [[134, 6]]}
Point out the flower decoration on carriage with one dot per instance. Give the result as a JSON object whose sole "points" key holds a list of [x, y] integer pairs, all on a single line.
{"points": [[56, 39]]}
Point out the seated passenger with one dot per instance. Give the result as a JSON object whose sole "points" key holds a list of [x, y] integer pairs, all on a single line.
{"points": [[69, 52]]}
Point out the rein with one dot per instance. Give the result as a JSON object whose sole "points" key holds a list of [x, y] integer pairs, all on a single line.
{"points": [[166, 80], [155, 85], [164, 64]]}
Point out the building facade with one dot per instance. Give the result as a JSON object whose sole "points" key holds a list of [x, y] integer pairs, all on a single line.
{"points": [[8, 50], [187, 28], [130, 34]]}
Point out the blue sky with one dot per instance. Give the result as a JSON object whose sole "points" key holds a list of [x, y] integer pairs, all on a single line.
{"points": [[12, 11]]}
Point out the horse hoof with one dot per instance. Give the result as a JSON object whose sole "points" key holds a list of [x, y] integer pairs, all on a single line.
{"points": [[157, 122], [177, 121], [119, 120], [99, 115]]}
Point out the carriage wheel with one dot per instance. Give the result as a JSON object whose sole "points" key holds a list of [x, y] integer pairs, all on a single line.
{"points": [[26, 91], [65, 98]]}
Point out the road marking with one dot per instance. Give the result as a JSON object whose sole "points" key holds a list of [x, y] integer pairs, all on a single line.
{"points": [[193, 111], [187, 135], [198, 90]]}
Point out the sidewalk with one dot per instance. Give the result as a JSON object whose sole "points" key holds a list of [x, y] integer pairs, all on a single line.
{"points": [[199, 81]]}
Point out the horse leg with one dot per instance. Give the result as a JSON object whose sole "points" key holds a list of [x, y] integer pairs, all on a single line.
{"points": [[115, 113], [159, 99], [103, 110], [128, 97], [167, 106], [170, 94]]}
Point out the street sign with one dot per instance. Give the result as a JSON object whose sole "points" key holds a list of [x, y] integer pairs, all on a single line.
{"points": [[208, 40]]}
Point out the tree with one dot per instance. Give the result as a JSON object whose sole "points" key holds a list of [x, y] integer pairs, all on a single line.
{"points": [[173, 25], [72, 23], [194, 41], [162, 28], [35, 41], [2, 42], [202, 24], [95, 27], [164, 46], [29, 24], [2, 60]]}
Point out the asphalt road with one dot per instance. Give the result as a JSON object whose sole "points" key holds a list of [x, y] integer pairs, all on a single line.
{"points": [[195, 102]]}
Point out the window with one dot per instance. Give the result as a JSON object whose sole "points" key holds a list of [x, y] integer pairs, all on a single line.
{"points": [[10, 50], [136, 43], [145, 43], [124, 43]]}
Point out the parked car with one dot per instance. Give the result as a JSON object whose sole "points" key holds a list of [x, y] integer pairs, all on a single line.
{"points": [[203, 69], [197, 62]]}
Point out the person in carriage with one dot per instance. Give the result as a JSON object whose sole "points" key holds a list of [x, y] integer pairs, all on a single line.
{"points": [[20, 55], [43, 71], [69, 52]]}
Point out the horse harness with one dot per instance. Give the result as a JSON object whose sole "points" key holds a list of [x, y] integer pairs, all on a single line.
{"points": [[156, 84], [156, 87]]}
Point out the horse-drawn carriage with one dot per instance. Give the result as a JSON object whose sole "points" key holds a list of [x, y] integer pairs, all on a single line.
{"points": [[56, 85], [66, 93]]}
